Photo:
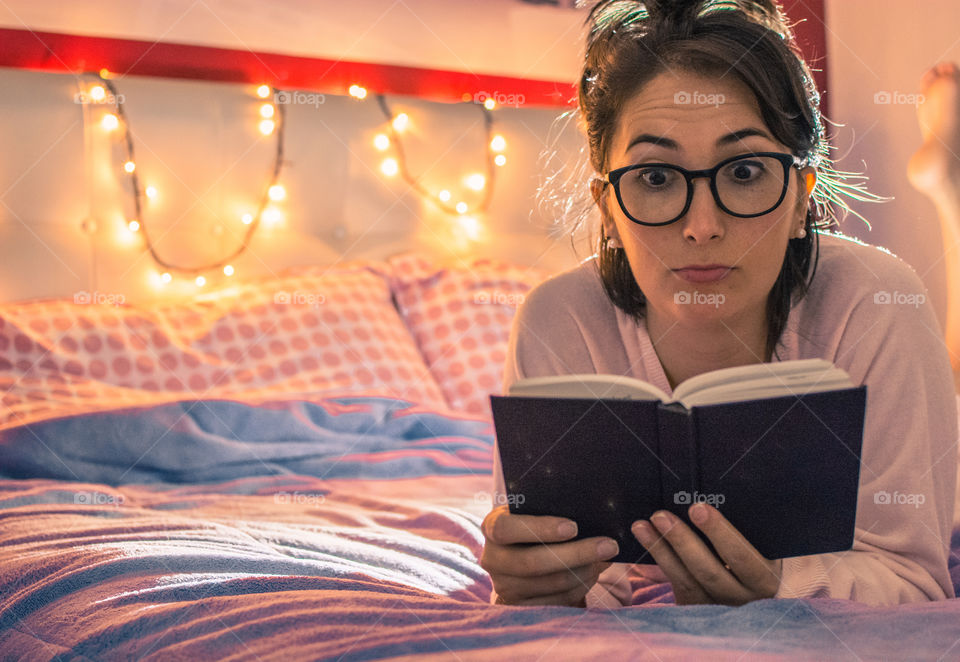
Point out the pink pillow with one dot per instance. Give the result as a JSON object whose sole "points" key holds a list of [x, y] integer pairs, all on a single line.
{"points": [[460, 317], [312, 334]]}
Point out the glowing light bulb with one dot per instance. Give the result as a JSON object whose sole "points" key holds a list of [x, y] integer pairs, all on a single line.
{"points": [[358, 92], [151, 192], [267, 110], [401, 121], [389, 167], [470, 226], [498, 144], [489, 103], [129, 166], [272, 216], [500, 159], [133, 226], [201, 281], [166, 277], [461, 207], [444, 195], [97, 93], [228, 270], [381, 142], [247, 219], [267, 126], [277, 192], [476, 182], [109, 122], [263, 91]]}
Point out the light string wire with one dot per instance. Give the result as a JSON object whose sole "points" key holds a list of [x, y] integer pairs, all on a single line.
{"points": [[414, 182], [137, 192]]}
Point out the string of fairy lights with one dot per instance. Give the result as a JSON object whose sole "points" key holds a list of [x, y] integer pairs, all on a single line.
{"points": [[103, 93]]}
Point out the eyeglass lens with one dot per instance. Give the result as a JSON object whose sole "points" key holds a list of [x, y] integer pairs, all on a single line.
{"points": [[748, 186]]}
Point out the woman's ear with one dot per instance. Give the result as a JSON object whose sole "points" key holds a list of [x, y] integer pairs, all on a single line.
{"points": [[809, 177], [808, 182]]}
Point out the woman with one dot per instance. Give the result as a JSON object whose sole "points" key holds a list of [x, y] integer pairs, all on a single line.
{"points": [[716, 96]]}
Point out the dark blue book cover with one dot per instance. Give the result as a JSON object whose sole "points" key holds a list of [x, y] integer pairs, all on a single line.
{"points": [[784, 471]]}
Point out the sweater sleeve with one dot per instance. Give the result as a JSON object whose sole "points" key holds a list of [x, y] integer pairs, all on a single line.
{"points": [[892, 343], [546, 339]]}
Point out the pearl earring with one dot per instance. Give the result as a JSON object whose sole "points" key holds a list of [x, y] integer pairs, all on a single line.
{"points": [[613, 243], [801, 233]]}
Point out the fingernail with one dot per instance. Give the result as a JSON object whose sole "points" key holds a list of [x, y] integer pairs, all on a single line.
{"points": [[662, 521], [643, 533], [607, 549], [567, 530], [699, 514]]}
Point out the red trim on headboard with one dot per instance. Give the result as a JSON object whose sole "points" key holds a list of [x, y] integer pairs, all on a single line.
{"points": [[49, 51]]}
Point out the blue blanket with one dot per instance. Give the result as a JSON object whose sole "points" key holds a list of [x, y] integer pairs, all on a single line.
{"points": [[216, 440]]}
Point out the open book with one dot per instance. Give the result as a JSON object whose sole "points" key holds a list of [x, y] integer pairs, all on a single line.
{"points": [[775, 447]]}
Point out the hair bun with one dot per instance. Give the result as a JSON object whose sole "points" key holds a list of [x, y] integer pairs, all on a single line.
{"points": [[677, 16], [675, 12]]}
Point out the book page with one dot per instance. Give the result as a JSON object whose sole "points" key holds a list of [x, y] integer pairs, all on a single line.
{"points": [[762, 380], [587, 386]]}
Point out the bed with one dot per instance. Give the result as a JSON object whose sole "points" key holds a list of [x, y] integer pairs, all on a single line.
{"points": [[297, 467]]}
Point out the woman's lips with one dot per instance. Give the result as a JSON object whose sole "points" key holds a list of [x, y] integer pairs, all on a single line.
{"points": [[703, 275]]}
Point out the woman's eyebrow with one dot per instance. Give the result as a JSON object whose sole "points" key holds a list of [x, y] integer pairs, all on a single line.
{"points": [[737, 136], [655, 140], [730, 138]]}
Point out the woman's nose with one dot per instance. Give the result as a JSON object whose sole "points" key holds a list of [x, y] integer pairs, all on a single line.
{"points": [[704, 220]]}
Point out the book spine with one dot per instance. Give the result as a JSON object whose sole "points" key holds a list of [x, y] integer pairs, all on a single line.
{"points": [[677, 450]]}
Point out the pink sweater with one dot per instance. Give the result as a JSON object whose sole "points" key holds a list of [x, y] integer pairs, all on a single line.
{"points": [[568, 325]]}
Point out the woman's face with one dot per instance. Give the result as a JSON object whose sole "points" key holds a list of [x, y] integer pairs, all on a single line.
{"points": [[695, 123]]}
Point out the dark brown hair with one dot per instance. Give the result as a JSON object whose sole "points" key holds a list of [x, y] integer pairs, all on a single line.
{"points": [[630, 43]]}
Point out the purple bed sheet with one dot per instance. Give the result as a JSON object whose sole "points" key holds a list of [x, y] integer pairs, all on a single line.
{"points": [[359, 567]]}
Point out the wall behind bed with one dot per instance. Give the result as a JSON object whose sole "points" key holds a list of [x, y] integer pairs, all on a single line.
{"points": [[67, 205], [64, 222]]}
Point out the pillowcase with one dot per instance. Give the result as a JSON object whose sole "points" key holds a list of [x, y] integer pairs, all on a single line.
{"points": [[460, 317], [311, 334]]}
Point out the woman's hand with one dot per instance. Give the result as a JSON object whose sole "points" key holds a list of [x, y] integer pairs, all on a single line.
{"points": [[533, 561], [740, 574]]}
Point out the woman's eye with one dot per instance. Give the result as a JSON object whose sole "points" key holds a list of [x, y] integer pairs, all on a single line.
{"points": [[745, 171], [655, 177]]}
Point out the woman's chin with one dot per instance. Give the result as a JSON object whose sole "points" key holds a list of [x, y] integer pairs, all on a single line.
{"points": [[699, 307]]}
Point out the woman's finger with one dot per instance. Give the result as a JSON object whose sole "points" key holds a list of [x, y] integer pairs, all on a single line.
{"points": [[502, 527], [686, 589], [758, 574], [537, 560], [516, 590], [575, 597], [705, 567]]}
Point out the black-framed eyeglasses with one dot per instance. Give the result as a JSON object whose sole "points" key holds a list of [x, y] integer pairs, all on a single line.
{"points": [[745, 186]]}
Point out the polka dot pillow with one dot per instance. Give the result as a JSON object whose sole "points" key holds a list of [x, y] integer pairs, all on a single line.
{"points": [[309, 335], [460, 318]]}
